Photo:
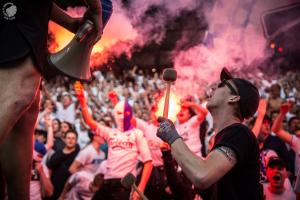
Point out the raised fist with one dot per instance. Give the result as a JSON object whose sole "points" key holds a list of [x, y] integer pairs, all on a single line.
{"points": [[167, 131]]}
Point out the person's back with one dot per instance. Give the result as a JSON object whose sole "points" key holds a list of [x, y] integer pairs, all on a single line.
{"points": [[242, 181]]}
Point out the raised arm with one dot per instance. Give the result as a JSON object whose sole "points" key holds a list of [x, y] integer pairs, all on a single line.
{"points": [[261, 111], [60, 17], [94, 13], [277, 125], [79, 91], [201, 112], [202, 173], [50, 139]]}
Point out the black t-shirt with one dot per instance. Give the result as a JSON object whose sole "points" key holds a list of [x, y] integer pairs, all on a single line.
{"points": [[59, 163], [24, 29], [242, 181]]}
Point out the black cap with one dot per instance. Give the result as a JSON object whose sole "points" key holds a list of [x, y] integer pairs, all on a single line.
{"points": [[276, 161], [249, 95]]}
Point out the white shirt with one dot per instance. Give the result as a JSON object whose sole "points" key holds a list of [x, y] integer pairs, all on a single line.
{"points": [[90, 158], [123, 150], [153, 141], [67, 114], [288, 194], [189, 131], [83, 136], [295, 145], [81, 181]]}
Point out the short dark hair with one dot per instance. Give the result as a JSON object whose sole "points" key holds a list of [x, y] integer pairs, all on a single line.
{"points": [[268, 119], [292, 119], [71, 126], [276, 161], [59, 122]]}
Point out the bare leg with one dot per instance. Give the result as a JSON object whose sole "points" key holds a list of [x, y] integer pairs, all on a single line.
{"points": [[16, 154], [19, 82], [2, 185]]}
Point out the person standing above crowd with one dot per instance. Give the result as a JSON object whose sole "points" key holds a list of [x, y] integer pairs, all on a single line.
{"points": [[23, 38]]}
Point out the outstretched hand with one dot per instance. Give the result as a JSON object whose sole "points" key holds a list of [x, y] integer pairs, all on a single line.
{"points": [[167, 131], [285, 107], [113, 97], [79, 91], [96, 18]]}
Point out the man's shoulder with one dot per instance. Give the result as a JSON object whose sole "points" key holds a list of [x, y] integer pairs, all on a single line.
{"points": [[237, 129]]}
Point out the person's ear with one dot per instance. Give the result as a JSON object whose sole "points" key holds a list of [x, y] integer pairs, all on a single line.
{"points": [[234, 99]]}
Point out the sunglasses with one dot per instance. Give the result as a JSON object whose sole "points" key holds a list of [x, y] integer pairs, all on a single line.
{"points": [[229, 85]]}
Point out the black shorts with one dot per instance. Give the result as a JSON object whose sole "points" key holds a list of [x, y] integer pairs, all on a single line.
{"points": [[24, 30]]}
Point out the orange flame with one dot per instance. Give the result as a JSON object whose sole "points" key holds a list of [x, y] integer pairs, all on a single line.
{"points": [[174, 106], [63, 37]]}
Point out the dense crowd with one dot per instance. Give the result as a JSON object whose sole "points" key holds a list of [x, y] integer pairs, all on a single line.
{"points": [[71, 161]]}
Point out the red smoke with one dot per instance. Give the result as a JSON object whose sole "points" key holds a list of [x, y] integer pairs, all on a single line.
{"points": [[115, 37]]}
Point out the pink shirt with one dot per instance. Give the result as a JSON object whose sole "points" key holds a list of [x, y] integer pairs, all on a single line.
{"points": [[124, 150]]}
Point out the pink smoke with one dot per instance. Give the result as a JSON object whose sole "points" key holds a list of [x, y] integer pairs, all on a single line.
{"points": [[115, 40]]}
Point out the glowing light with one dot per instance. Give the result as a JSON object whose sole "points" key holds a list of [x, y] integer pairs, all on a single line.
{"points": [[280, 49], [174, 106], [272, 45], [63, 37]]}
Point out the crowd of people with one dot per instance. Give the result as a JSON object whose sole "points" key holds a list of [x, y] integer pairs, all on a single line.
{"points": [[79, 153]]}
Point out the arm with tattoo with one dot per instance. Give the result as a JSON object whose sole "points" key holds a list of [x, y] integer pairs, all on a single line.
{"points": [[228, 153]]}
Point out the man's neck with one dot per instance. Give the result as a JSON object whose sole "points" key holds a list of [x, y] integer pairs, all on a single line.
{"points": [[223, 120], [275, 190], [67, 150]]}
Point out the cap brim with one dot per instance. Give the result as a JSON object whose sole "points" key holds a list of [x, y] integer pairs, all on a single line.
{"points": [[225, 74]]}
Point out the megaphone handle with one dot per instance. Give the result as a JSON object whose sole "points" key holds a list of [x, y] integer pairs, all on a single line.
{"points": [[84, 30], [139, 192]]}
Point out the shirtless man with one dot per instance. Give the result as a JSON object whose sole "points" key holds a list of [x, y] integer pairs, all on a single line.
{"points": [[23, 36]]}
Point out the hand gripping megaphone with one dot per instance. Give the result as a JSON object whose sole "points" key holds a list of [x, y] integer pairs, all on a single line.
{"points": [[73, 60]]}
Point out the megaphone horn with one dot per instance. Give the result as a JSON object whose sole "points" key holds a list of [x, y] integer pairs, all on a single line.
{"points": [[73, 60]]}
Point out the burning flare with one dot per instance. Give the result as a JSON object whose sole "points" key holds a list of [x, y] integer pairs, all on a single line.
{"points": [[174, 106]]}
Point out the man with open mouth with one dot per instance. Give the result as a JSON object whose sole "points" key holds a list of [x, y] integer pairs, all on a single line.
{"points": [[276, 174]]}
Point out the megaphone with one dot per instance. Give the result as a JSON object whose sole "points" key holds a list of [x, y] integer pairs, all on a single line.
{"points": [[73, 60]]}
